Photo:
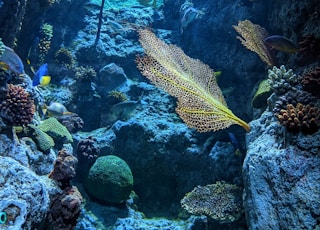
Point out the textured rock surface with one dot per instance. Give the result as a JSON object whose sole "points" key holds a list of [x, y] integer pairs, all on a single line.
{"points": [[23, 194], [281, 177]]}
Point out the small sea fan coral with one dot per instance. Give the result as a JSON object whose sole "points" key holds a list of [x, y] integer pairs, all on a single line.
{"points": [[220, 201], [16, 106], [311, 81], [301, 117], [282, 80], [85, 73], [64, 57]]}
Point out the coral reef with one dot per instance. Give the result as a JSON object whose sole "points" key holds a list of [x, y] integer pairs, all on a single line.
{"points": [[300, 118], [56, 130], [220, 201], [293, 97], [311, 81], [65, 209], [64, 57], [282, 80], [64, 168], [110, 179], [16, 106], [252, 38], [73, 122]]}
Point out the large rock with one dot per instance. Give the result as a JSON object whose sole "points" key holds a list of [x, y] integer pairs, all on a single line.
{"points": [[281, 177]]}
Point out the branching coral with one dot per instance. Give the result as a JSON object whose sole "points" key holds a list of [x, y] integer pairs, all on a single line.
{"points": [[252, 38], [16, 106], [282, 80], [301, 117], [220, 201], [311, 81]]}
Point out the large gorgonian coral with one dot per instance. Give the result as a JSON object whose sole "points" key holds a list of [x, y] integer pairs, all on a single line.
{"points": [[16, 106]]}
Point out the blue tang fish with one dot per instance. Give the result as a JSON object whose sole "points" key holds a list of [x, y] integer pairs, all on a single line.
{"points": [[12, 60], [41, 76], [281, 43]]}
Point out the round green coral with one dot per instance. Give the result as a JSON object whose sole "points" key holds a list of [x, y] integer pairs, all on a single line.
{"points": [[110, 179]]}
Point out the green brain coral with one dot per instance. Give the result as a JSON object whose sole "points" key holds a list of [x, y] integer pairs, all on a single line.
{"points": [[56, 130], [43, 140], [110, 180]]}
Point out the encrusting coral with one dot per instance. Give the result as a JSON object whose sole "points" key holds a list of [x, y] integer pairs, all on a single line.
{"points": [[252, 38], [301, 117], [311, 81], [220, 201], [16, 105], [201, 104]]}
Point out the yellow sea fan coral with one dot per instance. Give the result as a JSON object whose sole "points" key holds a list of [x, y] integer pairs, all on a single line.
{"points": [[201, 104]]}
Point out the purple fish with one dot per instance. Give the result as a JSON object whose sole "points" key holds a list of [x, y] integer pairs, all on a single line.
{"points": [[13, 61]]}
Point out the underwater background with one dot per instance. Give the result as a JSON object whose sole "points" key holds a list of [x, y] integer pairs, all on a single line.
{"points": [[159, 114]]}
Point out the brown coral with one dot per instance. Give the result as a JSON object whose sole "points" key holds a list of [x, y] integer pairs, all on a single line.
{"points": [[85, 73], [64, 57], [88, 149], [309, 46], [304, 118], [311, 81], [65, 209], [16, 106], [64, 168]]}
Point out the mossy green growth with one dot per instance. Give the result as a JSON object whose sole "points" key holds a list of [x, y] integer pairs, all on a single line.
{"points": [[43, 140], [263, 92], [110, 180], [56, 130]]}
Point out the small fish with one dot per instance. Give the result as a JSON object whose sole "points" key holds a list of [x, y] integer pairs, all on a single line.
{"points": [[121, 110], [217, 73], [55, 109], [13, 61], [281, 43], [235, 143], [41, 76]]}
